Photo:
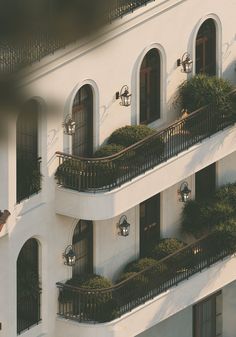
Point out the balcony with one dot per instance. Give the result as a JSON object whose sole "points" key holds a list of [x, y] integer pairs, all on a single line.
{"points": [[104, 305], [105, 174], [102, 188]]}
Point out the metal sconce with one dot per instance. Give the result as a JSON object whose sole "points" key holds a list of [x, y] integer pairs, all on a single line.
{"points": [[124, 226], [186, 62], [124, 95], [69, 125], [184, 192], [69, 256]]}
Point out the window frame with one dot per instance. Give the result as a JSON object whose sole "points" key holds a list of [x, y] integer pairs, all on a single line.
{"points": [[196, 321], [147, 71]]}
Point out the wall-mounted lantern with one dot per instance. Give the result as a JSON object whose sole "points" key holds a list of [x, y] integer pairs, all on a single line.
{"points": [[124, 95], [184, 192], [69, 125], [124, 226], [69, 256], [186, 62]]}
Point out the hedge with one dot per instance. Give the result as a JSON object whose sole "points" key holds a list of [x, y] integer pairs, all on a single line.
{"points": [[202, 90]]}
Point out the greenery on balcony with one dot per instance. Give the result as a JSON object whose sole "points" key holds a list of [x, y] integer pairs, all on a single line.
{"points": [[202, 90], [170, 262], [101, 171], [144, 280], [133, 150], [218, 211]]}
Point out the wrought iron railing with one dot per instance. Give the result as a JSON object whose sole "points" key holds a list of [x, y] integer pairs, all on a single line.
{"points": [[14, 58], [102, 305], [28, 311], [122, 7], [102, 174], [28, 178]]}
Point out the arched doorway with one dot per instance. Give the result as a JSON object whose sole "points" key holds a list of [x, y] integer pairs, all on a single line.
{"points": [[27, 159], [82, 243], [82, 114], [206, 48], [28, 286], [150, 83]]}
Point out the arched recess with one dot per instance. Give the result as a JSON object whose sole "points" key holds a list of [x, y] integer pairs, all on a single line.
{"points": [[150, 87], [82, 243], [28, 286], [82, 114], [206, 48], [28, 177]]}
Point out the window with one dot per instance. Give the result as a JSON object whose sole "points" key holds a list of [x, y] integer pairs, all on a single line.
{"points": [[206, 49], [207, 317], [83, 247], [149, 224], [28, 286], [82, 114], [205, 182], [150, 87], [28, 166]]}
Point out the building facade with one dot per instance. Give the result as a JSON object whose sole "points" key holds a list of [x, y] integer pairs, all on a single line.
{"points": [[139, 50]]}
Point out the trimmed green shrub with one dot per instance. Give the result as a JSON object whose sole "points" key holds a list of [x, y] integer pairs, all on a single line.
{"points": [[166, 247], [227, 226], [92, 281], [98, 307], [130, 134], [124, 276], [226, 193], [75, 175], [191, 217], [141, 264], [201, 216], [108, 150], [202, 90], [140, 283]]}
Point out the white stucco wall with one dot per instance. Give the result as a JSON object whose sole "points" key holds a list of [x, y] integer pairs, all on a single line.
{"points": [[175, 326], [112, 251], [227, 170], [107, 63]]}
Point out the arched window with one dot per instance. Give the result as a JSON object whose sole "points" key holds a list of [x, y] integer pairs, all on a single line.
{"points": [[27, 159], [83, 247], [28, 286], [150, 81], [206, 48], [82, 114]]}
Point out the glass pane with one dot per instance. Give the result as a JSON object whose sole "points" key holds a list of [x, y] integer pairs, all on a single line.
{"points": [[150, 87]]}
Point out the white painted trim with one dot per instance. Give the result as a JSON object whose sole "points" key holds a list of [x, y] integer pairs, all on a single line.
{"points": [[68, 109], [193, 37], [135, 85]]}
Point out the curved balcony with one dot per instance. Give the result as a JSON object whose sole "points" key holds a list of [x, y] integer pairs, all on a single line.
{"points": [[103, 305], [106, 174]]}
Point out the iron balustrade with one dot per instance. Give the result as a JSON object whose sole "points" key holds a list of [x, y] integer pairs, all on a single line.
{"points": [[13, 58], [104, 174], [102, 305], [122, 7]]}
